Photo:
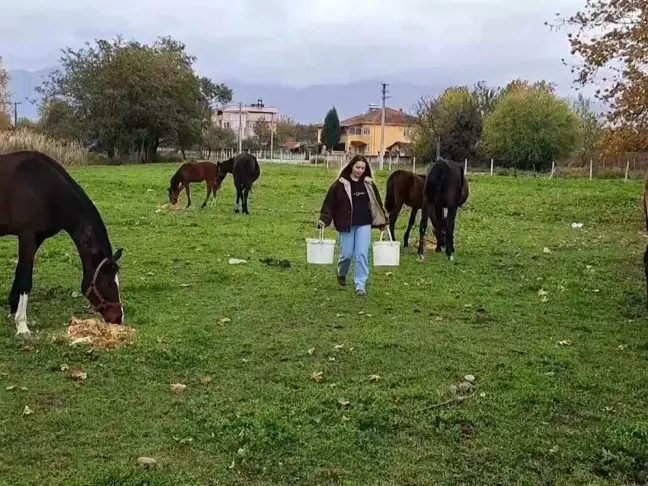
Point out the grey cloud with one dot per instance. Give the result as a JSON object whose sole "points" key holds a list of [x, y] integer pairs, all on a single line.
{"points": [[298, 42]]}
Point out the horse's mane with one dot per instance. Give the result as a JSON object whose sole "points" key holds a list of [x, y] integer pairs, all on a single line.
{"points": [[85, 201]]}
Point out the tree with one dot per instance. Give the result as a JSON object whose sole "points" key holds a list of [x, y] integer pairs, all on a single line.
{"points": [[5, 102], [262, 131], [612, 35], [287, 129], [56, 118], [332, 132], [485, 97], [451, 123], [217, 138], [132, 97], [590, 129], [530, 128]]}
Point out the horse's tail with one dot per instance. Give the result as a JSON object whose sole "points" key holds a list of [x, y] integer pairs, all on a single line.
{"points": [[645, 200]]}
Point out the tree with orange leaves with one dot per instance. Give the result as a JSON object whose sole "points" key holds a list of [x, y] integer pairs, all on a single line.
{"points": [[612, 35]]}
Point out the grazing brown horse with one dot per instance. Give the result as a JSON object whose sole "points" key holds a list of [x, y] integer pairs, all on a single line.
{"points": [[38, 199], [445, 186], [403, 187], [194, 172]]}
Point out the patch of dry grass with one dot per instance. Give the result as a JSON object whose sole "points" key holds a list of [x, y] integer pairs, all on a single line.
{"points": [[66, 152]]}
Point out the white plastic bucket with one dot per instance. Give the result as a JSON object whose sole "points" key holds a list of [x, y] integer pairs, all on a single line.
{"points": [[386, 253], [320, 251]]}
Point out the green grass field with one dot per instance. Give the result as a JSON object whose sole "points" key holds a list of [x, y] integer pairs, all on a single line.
{"points": [[561, 377]]}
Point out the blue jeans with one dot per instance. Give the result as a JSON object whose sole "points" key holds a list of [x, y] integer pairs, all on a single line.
{"points": [[355, 244]]}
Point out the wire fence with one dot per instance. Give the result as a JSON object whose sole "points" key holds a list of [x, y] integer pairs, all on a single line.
{"points": [[627, 167]]}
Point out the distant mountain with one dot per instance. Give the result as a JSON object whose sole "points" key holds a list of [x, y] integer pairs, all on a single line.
{"points": [[308, 104], [21, 86]]}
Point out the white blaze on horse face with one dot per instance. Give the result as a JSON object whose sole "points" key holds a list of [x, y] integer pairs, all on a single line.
{"points": [[121, 307], [21, 316]]}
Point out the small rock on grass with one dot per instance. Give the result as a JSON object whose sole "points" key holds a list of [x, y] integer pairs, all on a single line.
{"points": [[146, 462]]}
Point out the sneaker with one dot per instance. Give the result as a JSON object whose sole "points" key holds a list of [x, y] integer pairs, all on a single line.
{"points": [[361, 292], [341, 281]]}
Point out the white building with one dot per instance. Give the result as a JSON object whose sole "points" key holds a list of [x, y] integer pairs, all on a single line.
{"points": [[228, 117]]}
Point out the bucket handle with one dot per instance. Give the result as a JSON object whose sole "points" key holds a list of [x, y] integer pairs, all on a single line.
{"points": [[321, 234], [388, 232]]}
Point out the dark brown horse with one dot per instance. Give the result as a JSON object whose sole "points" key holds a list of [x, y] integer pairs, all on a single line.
{"points": [[38, 198], [245, 170], [445, 186], [194, 172], [403, 187]]}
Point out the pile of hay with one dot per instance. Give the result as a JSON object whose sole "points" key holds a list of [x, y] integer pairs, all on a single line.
{"points": [[168, 207], [99, 334], [430, 242]]}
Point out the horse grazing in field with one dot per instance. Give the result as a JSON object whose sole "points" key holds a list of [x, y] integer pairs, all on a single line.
{"points": [[245, 170], [445, 186], [38, 198], [194, 172], [403, 187]]}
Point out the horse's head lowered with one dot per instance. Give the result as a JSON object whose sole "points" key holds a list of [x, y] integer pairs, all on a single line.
{"points": [[103, 290], [173, 196]]}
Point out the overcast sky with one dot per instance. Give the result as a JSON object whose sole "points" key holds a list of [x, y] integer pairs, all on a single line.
{"points": [[302, 42]]}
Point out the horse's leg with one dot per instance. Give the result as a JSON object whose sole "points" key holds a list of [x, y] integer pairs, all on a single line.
{"points": [[238, 195], [213, 191], [425, 215], [450, 226], [188, 195], [246, 192], [209, 189], [393, 217], [439, 226], [28, 244], [410, 224]]}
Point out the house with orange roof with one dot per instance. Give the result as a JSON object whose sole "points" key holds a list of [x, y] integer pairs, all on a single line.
{"points": [[361, 133]]}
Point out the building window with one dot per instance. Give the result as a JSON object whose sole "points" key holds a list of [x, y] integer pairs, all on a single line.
{"points": [[365, 131], [226, 124]]}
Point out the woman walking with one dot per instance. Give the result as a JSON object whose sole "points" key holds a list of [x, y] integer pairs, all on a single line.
{"points": [[353, 204]]}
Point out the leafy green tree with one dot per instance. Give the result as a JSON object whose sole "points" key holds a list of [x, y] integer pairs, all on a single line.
{"points": [[449, 125], [530, 127], [5, 102], [590, 129], [332, 132], [217, 138], [133, 97]]}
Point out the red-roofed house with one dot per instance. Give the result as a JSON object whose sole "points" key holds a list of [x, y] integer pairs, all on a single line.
{"points": [[361, 133]]}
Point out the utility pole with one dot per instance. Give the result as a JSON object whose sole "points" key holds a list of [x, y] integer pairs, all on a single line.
{"points": [[240, 128], [272, 129], [16, 103], [382, 128]]}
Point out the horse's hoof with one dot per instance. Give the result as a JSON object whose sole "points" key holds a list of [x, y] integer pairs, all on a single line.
{"points": [[237, 211], [451, 259], [420, 257], [24, 336]]}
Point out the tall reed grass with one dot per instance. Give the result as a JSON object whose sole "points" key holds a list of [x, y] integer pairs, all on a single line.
{"points": [[63, 151]]}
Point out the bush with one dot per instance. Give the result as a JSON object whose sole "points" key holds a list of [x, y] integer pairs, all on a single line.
{"points": [[63, 151]]}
